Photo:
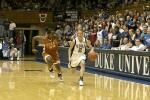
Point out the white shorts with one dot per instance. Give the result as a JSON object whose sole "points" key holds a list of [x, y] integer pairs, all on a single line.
{"points": [[76, 59]]}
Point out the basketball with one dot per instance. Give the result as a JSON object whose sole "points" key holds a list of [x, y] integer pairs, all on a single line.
{"points": [[92, 56]]}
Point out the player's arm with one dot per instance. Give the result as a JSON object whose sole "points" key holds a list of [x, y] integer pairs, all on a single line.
{"points": [[70, 49], [34, 39], [90, 46]]}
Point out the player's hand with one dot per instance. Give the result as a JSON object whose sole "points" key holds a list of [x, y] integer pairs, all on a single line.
{"points": [[91, 51], [70, 59], [34, 51]]}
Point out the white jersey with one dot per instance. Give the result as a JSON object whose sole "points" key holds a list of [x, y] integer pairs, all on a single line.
{"points": [[78, 52], [100, 36], [79, 46]]}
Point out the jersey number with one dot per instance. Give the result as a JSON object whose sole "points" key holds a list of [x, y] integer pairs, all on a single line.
{"points": [[80, 50]]}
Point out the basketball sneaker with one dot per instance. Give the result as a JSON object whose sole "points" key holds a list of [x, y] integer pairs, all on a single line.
{"points": [[18, 58], [81, 81], [11, 58], [52, 74], [60, 77]]}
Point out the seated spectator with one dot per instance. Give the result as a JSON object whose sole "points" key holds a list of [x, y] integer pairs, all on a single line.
{"points": [[128, 45], [125, 42], [5, 49], [132, 34], [106, 44], [138, 33], [138, 46], [14, 53], [97, 43]]}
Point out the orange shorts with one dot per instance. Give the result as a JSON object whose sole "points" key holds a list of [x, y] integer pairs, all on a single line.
{"points": [[54, 56]]}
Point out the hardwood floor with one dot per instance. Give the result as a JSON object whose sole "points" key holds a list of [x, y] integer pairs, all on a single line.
{"points": [[29, 80]]}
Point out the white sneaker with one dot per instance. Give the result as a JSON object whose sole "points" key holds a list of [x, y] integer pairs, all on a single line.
{"points": [[11, 58], [61, 79], [52, 74], [80, 82], [18, 58]]}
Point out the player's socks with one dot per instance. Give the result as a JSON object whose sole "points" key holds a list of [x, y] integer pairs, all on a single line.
{"points": [[52, 74], [50, 69], [60, 76], [81, 81]]}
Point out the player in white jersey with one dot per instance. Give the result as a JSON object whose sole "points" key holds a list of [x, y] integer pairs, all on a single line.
{"points": [[76, 53]]}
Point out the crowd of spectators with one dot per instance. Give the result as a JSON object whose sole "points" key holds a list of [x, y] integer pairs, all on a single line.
{"points": [[11, 43], [128, 31], [51, 5]]}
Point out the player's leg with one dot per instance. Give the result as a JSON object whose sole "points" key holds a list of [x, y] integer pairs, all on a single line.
{"points": [[12, 55], [57, 66], [18, 55], [48, 60], [73, 69], [82, 70], [56, 63]]}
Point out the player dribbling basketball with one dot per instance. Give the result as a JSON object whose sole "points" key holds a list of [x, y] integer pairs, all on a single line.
{"points": [[76, 54]]}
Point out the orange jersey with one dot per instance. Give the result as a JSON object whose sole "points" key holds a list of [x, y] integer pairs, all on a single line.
{"points": [[51, 46]]}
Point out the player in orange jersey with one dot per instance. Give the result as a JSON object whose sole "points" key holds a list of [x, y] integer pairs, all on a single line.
{"points": [[50, 54]]}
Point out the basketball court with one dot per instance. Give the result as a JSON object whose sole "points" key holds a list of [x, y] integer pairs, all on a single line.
{"points": [[29, 80]]}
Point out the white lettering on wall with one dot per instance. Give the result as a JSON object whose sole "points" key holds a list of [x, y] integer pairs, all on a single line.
{"points": [[127, 63], [120, 63], [111, 62], [145, 66], [132, 69], [138, 63]]}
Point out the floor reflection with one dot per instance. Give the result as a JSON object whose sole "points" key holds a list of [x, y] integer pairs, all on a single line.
{"points": [[37, 85], [122, 89]]}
